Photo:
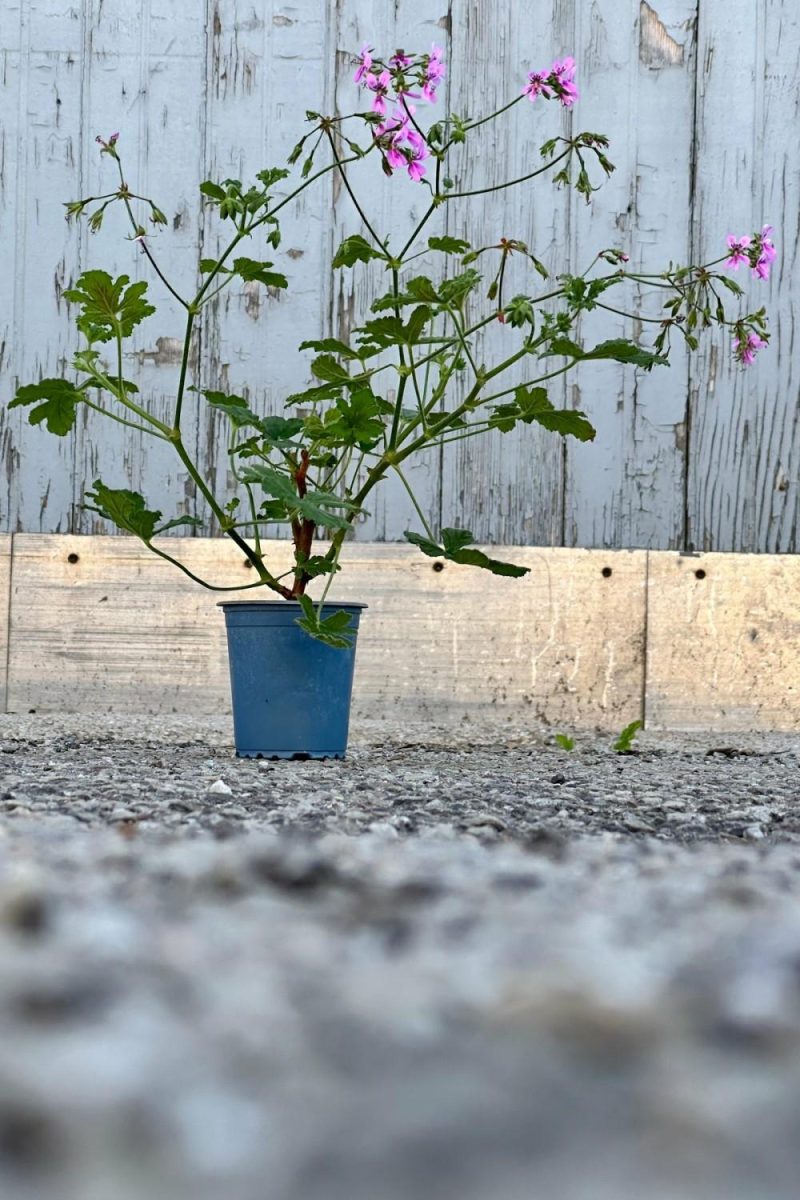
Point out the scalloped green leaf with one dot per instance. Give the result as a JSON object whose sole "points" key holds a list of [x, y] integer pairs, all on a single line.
{"points": [[57, 401]]}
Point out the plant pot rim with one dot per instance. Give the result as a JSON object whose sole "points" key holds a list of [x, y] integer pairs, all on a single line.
{"points": [[288, 604]]}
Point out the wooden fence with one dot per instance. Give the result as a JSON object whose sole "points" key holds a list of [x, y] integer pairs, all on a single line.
{"points": [[700, 98]]}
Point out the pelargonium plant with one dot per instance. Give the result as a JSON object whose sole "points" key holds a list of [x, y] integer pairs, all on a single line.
{"points": [[314, 469]]}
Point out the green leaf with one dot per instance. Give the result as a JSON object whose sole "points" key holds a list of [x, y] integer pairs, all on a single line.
{"points": [[234, 407], [60, 400], [416, 323], [196, 522], [211, 264], [329, 370], [391, 331], [421, 288], [383, 331], [456, 548], [532, 405], [272, 175], [108, 306], [356, 420], [564, 741], [281, 431], [619, 349], [425, 544], [315, 506], [313, 395], [212, 190], [625, 740], [624, 351], [454, 291], [316, 565], [449, 245], [330, 346], [565, 348], [334, 630], [258, 272], [124, 509], [354, 249]]}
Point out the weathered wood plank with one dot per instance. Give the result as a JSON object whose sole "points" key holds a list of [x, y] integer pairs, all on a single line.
{"points": [[183, 91], [507, 488], [265, 68], [40, 84], [119, 628], [723, 642], [744, 436], [626, 487], [144, 77], [394, 207]]}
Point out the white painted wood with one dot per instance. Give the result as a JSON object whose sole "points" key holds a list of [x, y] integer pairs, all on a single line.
{"points": [[507, 488], [266, 65], [708, 456], [637, 65], [723, 642], [393, 206], [139, 65], [120, 630], [742, 484]]}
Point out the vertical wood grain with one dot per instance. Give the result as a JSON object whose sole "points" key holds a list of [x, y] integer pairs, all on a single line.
{"points": [[507, 487], [265, 66], [742, 489], [637, 79], [41, 87], [144, 77], [393, 206], [220, 88]]}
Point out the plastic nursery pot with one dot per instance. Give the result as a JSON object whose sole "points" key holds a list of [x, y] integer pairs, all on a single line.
{"points": [[290, 691]]}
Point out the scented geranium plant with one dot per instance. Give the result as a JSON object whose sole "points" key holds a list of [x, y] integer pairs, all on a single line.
{"points": [[411, 376]]}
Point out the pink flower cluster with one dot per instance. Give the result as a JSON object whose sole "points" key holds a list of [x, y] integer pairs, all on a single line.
{"points": [[403, 144], [746, 348], [759, 251], [559, 81]]}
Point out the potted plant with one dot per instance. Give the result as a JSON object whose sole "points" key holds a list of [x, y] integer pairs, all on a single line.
{"points": [[410, 377]]}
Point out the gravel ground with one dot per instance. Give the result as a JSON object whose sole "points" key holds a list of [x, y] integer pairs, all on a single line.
{"points": [[461, 965]]}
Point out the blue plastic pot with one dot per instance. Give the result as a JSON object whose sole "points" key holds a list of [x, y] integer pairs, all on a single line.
{"points": [[290, 692]]}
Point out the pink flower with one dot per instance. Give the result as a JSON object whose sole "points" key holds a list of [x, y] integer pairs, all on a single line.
{"points": [[403, 145], [400, 60], [417, 152], [379, 84], [363, 66], [536, 86], [766, 254], [738, 251], [434, 74], [562, 80], [745, 352]]}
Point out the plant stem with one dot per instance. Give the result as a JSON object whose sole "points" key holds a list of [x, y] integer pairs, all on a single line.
{"points": [[343, 175], [414, 501], [187, 342], [239, 587], [498, 187], [123, 420], [143, 242]]}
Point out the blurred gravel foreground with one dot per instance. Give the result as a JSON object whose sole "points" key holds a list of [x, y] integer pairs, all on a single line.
{"points": [[461, 965]]}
